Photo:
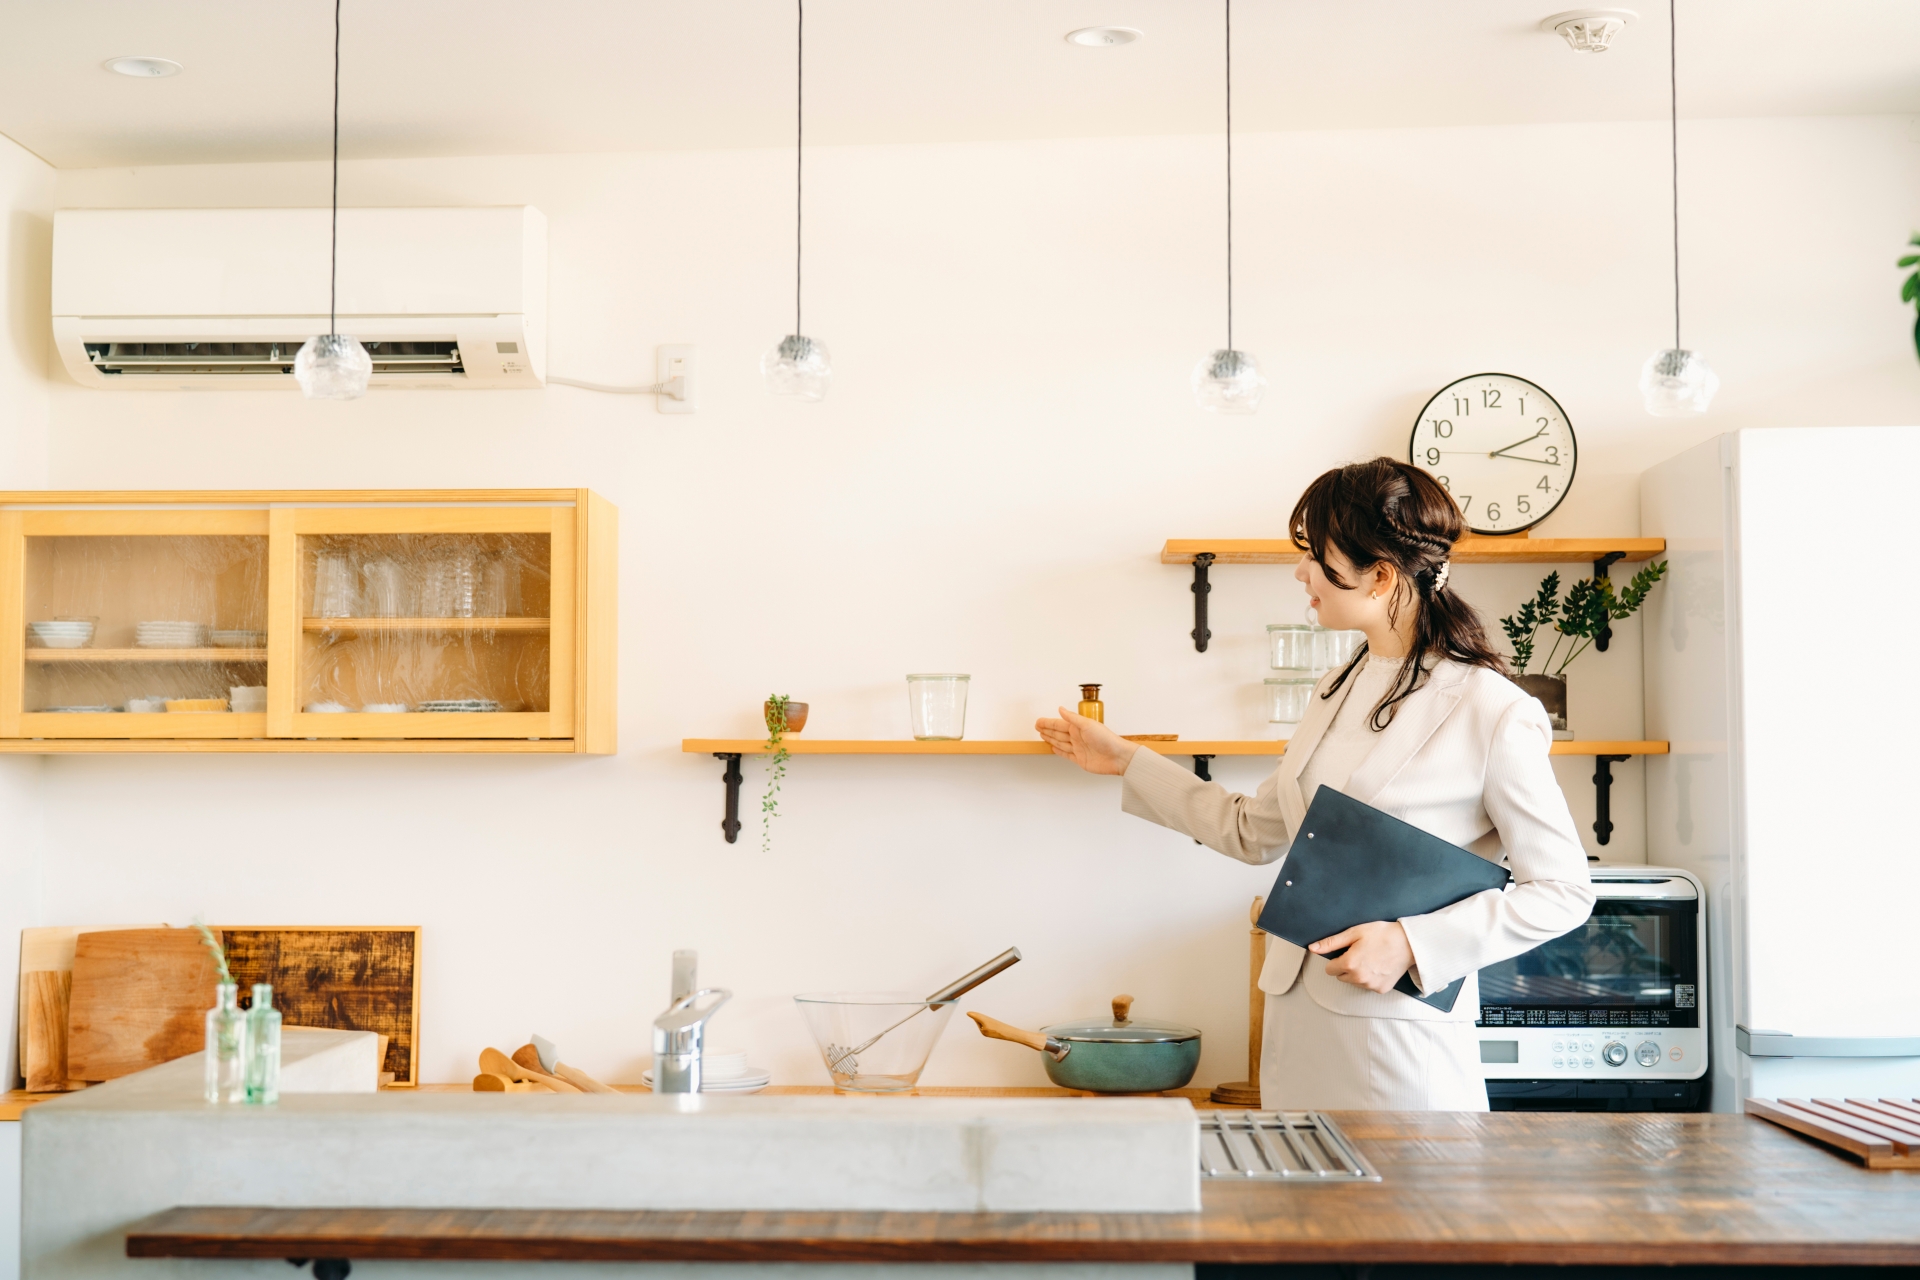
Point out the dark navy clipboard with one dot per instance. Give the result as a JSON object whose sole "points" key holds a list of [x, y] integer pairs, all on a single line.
{"points": [[1351, 864]]}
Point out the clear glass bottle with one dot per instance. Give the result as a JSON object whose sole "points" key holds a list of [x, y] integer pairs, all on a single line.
{"points": [[1090, 705], [263, 1047], [226, 1046]]}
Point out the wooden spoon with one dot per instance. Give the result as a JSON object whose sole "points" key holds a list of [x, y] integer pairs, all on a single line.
{"points": [[488, 1082], [529, 1057], [494, 1062]]}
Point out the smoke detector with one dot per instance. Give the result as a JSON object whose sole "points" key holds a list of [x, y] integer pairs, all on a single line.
{"points": [[1589, 30]]}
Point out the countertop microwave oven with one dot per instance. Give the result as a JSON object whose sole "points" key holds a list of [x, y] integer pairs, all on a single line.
{"points": [[1610, 1017]]}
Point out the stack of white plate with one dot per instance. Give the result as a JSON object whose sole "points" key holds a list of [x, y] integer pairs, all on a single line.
{"points": [[725, 1073], [248, 699], [385, 708], [62, 633], [239, 639], [459, 704], [77, 711], [152, 704], [170, 635]]}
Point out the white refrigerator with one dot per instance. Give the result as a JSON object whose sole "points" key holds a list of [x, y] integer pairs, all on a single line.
{"points": [[1782, 661]]}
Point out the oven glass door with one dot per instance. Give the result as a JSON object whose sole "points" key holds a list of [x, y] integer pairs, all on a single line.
{"points": [[1632, 964]]}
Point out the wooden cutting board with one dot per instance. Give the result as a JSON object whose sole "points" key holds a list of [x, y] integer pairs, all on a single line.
{"points": [[46, 974], [139, 997], [349, 978]]}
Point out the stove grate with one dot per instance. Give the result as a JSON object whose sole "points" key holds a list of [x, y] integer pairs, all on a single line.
{"points": [[1279, 1146]]}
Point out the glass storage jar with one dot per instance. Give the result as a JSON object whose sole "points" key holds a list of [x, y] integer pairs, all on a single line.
{"points": [[937, 705], [1290, 646], [1288, 698]]}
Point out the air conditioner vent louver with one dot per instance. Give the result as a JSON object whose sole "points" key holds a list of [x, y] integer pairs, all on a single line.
{"points": [[172, 359]]}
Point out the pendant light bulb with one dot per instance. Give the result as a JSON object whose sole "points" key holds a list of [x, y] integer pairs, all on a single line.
{"points": [[799, 367], [1677, 384], [1228, 381], [332, 367]]}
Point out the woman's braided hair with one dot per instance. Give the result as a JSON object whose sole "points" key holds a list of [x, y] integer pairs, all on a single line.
{"points": [[1388, 512]]}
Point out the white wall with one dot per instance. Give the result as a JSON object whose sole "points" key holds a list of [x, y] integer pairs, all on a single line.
{"points": [[1008, 441]]}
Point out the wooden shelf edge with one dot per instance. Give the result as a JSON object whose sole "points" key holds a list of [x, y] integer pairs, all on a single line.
{"points": [[287, 746], [1473, 549], [988, 747], [347, 497], [426, 624], [251, 657]]}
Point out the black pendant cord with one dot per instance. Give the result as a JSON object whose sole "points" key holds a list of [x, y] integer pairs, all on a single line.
{"points": [[1673, 114], [1229, 4], [333, 253], [799, 136]]}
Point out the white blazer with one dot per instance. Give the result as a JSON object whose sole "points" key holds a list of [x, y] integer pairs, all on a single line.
{"points": [[1464, 758]]}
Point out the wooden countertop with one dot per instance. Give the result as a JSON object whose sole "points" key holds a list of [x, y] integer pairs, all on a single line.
{"points": [[1507, 1187]]}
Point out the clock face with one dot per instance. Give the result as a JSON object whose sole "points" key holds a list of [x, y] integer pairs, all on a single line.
{"points": [[1501, 446]]}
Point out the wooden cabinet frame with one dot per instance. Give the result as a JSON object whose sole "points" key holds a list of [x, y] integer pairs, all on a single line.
{"points": [[582, 622]]}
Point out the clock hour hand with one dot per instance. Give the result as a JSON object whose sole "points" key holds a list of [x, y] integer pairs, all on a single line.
{"points": [[1517, 443]]}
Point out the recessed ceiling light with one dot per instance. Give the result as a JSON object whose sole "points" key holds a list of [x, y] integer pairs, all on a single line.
{"points": [[1102, 37], [1589, 30], [143, 68]]}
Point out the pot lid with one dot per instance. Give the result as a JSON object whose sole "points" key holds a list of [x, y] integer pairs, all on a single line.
{"points": [[1122, 1029]]}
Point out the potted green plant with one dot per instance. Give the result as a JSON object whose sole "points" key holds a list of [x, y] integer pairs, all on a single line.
{"points": [[784, 716], [1910, 290], [1590, 606]]}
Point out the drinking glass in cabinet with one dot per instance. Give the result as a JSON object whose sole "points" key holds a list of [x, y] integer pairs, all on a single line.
{"points": [[118, 622], [1290, 646], [937, 706], [452, 623], [1288, 698], [334, 590]]}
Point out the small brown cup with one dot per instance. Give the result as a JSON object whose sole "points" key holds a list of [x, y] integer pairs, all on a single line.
{"points": [[796, 716]]}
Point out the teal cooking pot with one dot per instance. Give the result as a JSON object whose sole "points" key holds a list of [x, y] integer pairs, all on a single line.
{"points": [[1121, 1055]]}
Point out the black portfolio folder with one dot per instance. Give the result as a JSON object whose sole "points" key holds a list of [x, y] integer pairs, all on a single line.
{"points": [[1351, 864]]}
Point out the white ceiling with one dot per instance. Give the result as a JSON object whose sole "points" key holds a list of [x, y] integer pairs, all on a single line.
{"points": [[500, 77]]}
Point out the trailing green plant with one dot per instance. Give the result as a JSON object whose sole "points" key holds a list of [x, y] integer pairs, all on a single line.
{"points": [[776, 766], [1590, 606], [219, 952], [1910, 291]]}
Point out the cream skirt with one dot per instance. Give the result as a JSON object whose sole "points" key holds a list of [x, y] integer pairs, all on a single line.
{"points": [[1312, 1059]]}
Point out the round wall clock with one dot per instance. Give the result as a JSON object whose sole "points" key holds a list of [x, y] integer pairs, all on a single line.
{"points": [[1502, 447]]}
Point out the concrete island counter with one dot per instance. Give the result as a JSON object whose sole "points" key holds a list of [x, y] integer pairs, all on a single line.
{"points": [[141, 1179]]}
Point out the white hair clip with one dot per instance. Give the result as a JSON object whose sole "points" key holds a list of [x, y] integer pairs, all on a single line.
{"points": [[1440, 574]]}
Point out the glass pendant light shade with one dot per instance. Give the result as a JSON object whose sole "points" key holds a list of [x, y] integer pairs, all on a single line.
{"points": [[332, 367], [798, 367], [1677, 384], [1228, 382]]}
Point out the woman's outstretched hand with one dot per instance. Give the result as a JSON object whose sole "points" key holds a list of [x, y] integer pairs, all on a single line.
{"points": [[1377, 954], [1087, 743]]}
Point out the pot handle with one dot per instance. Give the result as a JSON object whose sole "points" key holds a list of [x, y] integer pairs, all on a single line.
{"points": [[994, 1029], [1122, 1006]]}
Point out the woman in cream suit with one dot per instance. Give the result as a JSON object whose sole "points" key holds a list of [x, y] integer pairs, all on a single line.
{"points": [[1423, 725]]}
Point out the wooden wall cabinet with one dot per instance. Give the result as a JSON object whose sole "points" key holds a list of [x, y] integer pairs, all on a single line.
{"points": [[323, 621]]}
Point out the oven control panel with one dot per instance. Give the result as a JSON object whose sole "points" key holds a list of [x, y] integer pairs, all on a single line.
{"points": [[1593, 1053]]}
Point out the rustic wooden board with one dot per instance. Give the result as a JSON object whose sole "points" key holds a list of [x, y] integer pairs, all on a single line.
{"points": [[43, 1042], [1881, 1133], [139, 998], [349, 978], [1572, 1189]]}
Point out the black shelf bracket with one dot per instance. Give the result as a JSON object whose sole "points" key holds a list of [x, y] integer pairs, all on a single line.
{"points": [[731, 823], [1201, 767], [325, 1268], [1201, 563], [1605, 637], [1603, 795]]}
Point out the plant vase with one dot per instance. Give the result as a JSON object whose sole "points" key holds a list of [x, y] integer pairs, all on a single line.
{"points": [[1552, 693], [796, 716]]}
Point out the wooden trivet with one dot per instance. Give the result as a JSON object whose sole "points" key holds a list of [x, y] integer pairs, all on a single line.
{"points": [[1882, 1133]]}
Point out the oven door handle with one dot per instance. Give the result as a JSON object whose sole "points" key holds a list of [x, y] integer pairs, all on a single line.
{"points": [[1784, 1044]]}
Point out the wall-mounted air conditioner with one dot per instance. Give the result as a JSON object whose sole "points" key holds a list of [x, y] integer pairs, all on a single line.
{"points": [[158, 299]]}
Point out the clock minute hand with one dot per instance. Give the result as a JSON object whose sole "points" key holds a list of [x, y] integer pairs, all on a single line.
{"points": [[1515, 457], [1517, 443]]}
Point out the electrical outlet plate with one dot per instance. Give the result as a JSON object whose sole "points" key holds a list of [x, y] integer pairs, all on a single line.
{"points": [[677, 362]]}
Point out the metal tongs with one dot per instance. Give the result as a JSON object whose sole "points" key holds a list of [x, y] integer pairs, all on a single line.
{"points": [[945, 995]]}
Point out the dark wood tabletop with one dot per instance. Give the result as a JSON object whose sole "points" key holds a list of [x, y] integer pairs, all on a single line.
{"points": [[1507, 1187]]}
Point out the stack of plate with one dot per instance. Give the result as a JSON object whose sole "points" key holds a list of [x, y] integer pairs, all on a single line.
{"points": [[169, 635], [239, 639], [247, 699], [725, 1073], [62, 633], [77, 711], [459, 704]]}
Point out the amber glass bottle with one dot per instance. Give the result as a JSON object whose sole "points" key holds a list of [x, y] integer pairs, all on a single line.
{"points": [[1090, 705]]}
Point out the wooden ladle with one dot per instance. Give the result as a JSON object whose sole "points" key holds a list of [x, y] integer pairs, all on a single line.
{"points": [[494, 1062]]}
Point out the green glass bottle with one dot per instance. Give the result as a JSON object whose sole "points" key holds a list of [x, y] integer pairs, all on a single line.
{"points": [[263, 1047]]}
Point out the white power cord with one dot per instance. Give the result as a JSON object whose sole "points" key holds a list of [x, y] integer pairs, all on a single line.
{"points": [[673, 388]]}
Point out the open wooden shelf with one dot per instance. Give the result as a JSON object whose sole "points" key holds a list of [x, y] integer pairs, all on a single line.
{"points": [[359, 626], [146, 655], [285, 746], [1472, 549], [988, 747]]}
